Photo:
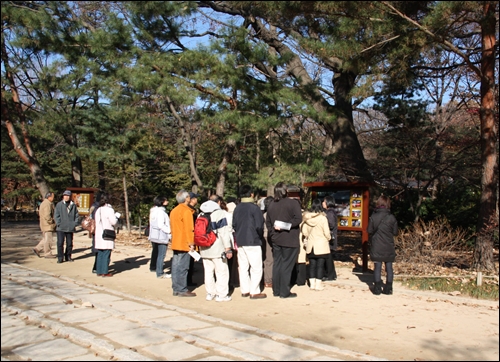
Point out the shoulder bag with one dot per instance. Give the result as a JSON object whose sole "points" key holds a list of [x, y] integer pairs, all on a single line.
{"points": [[107, 234]]}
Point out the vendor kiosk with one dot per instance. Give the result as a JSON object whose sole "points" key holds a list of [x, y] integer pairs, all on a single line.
{"points": [[352, 201]]}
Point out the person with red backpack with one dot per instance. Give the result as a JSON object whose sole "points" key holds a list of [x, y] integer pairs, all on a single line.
{"points": [[215, 256]]}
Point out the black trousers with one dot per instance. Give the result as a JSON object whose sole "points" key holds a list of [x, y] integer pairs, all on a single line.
{"points": [[154, 256], [61, 253], [331, 273], [285, 259]]}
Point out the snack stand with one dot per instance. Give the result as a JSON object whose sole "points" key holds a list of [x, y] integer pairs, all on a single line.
{"points": [[352, 201]]}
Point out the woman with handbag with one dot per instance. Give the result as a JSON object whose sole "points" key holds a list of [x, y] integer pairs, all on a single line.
{"points": [[105, 219]]}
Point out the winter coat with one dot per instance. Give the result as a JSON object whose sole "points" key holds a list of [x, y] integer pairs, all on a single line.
{"points": [[331, 215], [286, 210], [382, 227], [316, 232], [159, 225], [182, 227], [105, 218], [248, 223], [46, 213], [66, 216], [218, 222]]}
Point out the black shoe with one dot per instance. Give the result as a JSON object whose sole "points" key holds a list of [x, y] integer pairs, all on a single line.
{"points": [[291, 295], [378, 288], [387, 289], [70, 260], [59, 261]]}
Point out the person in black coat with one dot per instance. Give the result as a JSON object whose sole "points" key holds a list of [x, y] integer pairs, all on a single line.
{"points": [[382, 227], [283, 219], [329, 207]]}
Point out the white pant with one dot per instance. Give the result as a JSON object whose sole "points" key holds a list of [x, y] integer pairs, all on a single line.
{"points": [[216, 276], [250, 268]]}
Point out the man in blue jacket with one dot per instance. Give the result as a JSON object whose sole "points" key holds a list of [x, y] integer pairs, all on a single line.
{"points": [[248, 225], [66, 218]]}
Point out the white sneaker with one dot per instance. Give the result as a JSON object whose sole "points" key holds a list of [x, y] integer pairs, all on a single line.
{"points": [[165, 276], [210, 297], [227, 298]]}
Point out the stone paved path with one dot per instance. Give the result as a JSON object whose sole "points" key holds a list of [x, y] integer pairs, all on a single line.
{"points": [[52, 318]]}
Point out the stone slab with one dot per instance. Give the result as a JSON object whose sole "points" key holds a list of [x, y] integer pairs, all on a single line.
{"points": [[222, 335], [80, 315], [125, 306], [110, 325], [181, 323], [15, 336], [140, 337], [175, 351], [143, 315], [273, 350], [54, 350]]}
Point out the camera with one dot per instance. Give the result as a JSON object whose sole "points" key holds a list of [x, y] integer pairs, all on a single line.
{"points": [[223, 255]]}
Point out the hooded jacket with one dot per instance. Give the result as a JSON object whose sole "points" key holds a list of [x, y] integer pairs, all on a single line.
{"points": [[219, 225], [159, 230], [316, 231], [382, 227]]}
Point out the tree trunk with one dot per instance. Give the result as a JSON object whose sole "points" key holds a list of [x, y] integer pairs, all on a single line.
{"points": [[101, 174], [222, 169], [77, 172], [184, 134], [25, 152], [125, 197], [483, 251]]}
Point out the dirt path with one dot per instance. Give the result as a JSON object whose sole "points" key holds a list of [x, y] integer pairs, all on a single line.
{"points": [[408, 325]]}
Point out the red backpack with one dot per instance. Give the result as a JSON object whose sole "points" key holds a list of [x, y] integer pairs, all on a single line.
{"points": [[203, 233]]}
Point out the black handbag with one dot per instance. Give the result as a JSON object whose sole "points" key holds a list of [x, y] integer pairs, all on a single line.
{"points": [[108, 234]]}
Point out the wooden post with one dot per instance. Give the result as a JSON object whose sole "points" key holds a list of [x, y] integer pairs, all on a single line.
{"points": [[479, 279]]}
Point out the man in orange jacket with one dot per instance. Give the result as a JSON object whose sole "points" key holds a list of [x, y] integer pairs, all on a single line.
{"points": [[182, 227]]}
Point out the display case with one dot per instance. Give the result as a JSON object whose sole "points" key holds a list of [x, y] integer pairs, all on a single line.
{"points": [[352, 200]]}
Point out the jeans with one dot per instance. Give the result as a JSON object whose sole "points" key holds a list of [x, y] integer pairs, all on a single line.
{"points": [[160, 259], [285, 259], [61, 254], [102, 263], [377, 273], [180, 268]]}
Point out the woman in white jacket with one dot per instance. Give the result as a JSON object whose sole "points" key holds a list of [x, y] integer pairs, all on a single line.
{"points": [[159, 233], [105, 218], [316, 233]]}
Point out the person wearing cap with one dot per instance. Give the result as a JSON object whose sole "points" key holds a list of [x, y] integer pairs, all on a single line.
{"points": [[66, 218], [47, 226], [182, 228]]}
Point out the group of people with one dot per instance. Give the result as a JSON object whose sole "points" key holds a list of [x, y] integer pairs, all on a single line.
{"points": [[63, 219], [269, 242]]}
